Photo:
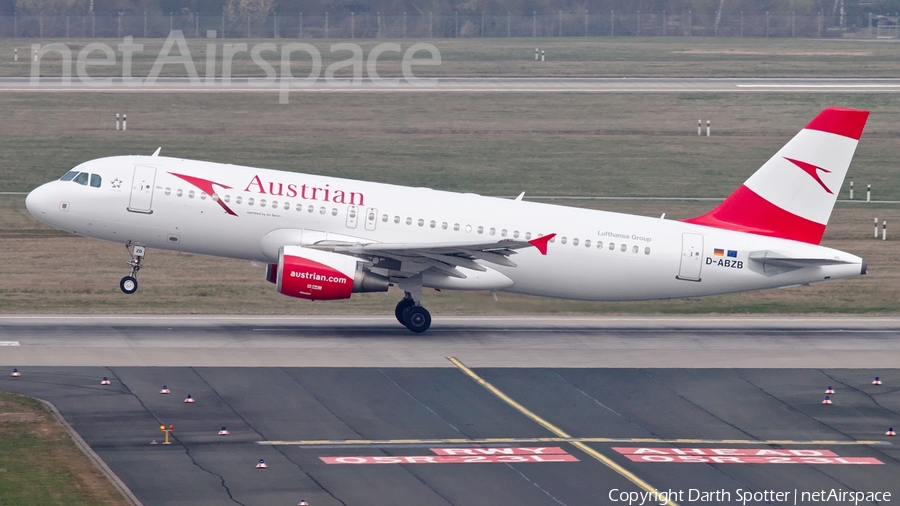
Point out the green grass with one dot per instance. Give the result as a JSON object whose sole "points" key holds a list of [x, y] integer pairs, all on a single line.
{"points": [[493, 144], [570, 57], [39, 463]]}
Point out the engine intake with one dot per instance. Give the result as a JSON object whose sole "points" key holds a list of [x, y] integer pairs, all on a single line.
{"points": [[321, 275]]}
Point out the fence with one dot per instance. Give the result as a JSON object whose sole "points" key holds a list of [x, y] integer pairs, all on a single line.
{"points": [[443, 25]]}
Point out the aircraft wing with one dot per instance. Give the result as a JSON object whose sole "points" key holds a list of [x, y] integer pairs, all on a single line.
{"points": [[444, 257]]}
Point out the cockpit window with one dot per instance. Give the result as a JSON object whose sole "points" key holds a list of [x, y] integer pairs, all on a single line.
{"points": [[96, 180], [82, 178], [68, 175]]}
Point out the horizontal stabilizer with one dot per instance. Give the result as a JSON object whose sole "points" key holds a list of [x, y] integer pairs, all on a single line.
{"points": [[774, 259]]}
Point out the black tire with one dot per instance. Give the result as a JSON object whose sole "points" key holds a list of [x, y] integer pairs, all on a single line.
{"points": [[417, 319], [128, 285], [398, 311]]}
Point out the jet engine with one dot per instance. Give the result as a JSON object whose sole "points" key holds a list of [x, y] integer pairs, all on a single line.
{"points": [[321, 275]]}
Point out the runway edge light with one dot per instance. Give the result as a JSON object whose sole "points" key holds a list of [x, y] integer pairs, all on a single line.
{"points": [[16, 373], [829, 390], [104, 381], [827, 400], [877, 381], [189, 399], [164, 390], [262, 464], [890, 432], [224, 431]]}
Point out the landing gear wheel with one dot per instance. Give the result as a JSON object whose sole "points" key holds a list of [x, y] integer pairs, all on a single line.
{"points": [[128, 284], [417, 319], [403, 304]]}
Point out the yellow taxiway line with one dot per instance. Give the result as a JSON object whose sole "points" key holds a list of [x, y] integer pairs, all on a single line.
{"points": [[603, 459]]}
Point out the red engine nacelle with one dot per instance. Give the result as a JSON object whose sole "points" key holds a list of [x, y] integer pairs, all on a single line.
{"points": [[321, 275]]}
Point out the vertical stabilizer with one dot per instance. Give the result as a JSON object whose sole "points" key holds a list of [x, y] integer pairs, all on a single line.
{"points": [[792, 195]]}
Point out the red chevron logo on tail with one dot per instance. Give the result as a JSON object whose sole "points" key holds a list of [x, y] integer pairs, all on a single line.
{"points": [[812, 170]]}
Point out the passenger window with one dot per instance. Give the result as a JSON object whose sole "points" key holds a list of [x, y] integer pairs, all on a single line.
{"points": [[274, 204], [647, 250], [396, 219], [334, 211], [432, 224], [96, 180], [215, 197], [250, 201], [516, 234], [299, 208], [624, 247], [421, 222], [587, 243], [634, 249], [310, 209], [599, 244], [202, 195], [82, 178], [262, 202], [468, 228], [527, 236], [480, 230], [384, 218], [227, 198], [322, 210], [237, 200], [456, 227], [179, 193], [191, 195], [503, 232], [408, 220], [168, 191], [68, 175], [574, 242], [563, 240], [553, 239], [493, 231], [287, 206], [612, 246], [444, 225]]}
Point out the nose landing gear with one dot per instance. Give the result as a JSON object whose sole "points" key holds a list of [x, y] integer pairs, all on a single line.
{"points": [[129, 283]]}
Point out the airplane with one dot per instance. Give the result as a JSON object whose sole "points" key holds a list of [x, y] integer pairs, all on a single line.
{"points": [[324, 238]]}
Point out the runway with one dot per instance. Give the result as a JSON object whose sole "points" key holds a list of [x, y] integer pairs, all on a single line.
{"points": [[477, 411], [452, 85], [513, 341]]}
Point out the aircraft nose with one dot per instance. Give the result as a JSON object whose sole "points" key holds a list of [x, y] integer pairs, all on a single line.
{"points": [[36, 201]]}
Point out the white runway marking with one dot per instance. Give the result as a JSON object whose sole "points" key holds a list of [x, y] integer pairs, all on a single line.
{"points": [[9, 343]]}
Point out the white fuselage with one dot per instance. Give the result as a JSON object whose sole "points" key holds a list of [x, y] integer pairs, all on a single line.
{"points": [[595, 255]]}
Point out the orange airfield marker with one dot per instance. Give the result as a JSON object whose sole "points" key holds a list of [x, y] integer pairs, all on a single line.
{"points": [[167, 431]]}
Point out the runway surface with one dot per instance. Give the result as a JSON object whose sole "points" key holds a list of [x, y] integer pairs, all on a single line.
{"points": [[455, 85], [384, 436], [513, 341], [477, 411]]}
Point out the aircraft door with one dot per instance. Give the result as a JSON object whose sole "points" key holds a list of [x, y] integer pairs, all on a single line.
{"points": [[371, 218], [352, 216], [142, 189], [691, 257]]}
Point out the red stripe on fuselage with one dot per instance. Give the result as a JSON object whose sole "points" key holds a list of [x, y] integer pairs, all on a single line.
{"points": [[207, 186], [745, 211]]}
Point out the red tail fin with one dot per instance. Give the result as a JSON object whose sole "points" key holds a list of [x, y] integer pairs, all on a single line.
{"points": [[792, 195]]}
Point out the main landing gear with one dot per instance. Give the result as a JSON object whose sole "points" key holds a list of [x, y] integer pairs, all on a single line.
{"points": [[415, 317], [129, 283]]}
